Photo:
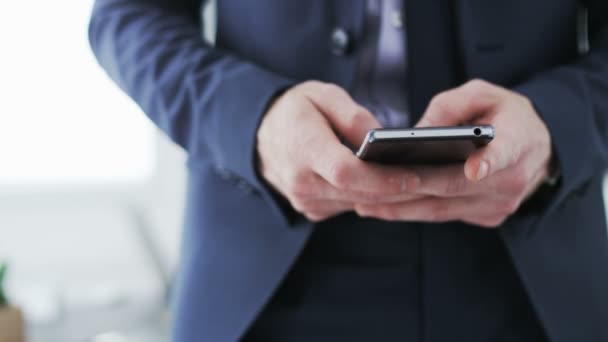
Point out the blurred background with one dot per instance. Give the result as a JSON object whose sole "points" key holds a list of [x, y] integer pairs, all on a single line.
{"points": [[91, 194]]}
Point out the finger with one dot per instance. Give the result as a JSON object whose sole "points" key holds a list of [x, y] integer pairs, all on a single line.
{"points": [[318, 217], [324, 190], [432, 209], [396, 198], [351, 120], [461, 105], [325, 206], [451, 181], [344, 171], [353, 175], [485, 221], [321, 210], [446, 181]]}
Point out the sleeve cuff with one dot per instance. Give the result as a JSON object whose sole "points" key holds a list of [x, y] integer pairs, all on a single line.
{"points": [[561, 100], [243, 106]]}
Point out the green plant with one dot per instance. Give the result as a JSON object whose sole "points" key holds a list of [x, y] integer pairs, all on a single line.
{"points": [[3, 299]]}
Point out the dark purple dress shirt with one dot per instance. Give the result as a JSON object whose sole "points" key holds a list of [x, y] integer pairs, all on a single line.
{"points": [[380, 83]]}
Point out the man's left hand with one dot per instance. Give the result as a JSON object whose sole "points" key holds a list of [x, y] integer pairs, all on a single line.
{"points": [[496, 179]]}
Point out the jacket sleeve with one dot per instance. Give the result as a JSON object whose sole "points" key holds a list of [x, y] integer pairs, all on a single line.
{"points": [[573, 102], [208, 101]]}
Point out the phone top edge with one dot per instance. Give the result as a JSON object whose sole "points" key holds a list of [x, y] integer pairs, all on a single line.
{"points": [[491, 131], [371, 135], [369, 138], [486, 132]]}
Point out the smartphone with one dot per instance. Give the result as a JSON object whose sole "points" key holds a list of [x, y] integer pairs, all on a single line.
{"points": [[428, 145]]}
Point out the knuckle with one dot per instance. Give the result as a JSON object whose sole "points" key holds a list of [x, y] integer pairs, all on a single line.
{"points": [[325, 92], [455, 186], [292, 189], [439, 211], [497, 221], [315, 217], [478, 89], [290, 99], [363, 213], [298, 184], [438, 101], [477, 222], [302, 177], [332, 90], [357, 118], [485, 224], [370, 198], [525, 101], [518, 182], [380, 212], [325, 216], [310, 206], [339, 175], [490, 223], [311, 217], [296, 191], [299, 204], [438, 104], [477, 85], [510, 207], [438, 98], [389, 213], [310, 85]]}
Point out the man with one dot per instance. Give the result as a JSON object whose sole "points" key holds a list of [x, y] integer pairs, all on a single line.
{"points": [[289, 237]]}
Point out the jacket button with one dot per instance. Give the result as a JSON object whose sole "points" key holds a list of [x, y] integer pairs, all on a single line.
{"points": [[340, 43]]}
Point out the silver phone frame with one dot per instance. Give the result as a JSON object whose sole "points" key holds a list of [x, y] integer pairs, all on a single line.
{"points": [[425, 133]]}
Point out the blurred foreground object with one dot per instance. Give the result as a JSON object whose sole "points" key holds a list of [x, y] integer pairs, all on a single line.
{"points": [[12, 328]]}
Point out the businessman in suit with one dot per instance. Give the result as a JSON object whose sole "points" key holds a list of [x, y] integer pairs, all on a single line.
{"points": [[289, 237]]}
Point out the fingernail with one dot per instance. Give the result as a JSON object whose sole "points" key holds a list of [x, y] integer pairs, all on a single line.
{"points": [[483, 170]]}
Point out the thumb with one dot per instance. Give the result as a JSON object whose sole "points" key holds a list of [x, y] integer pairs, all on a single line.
{"points": [[489, 160], [349, 119], [362, 121], [460, 105]]}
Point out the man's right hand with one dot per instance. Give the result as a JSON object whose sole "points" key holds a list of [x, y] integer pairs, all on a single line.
{"points": [[301, 156]]}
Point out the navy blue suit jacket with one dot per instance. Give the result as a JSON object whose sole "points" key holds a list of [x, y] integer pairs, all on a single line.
{"points": [[239, 242]]}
